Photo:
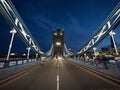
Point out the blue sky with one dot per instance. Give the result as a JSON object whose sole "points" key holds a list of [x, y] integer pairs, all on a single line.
{"points": [[78, 18]]}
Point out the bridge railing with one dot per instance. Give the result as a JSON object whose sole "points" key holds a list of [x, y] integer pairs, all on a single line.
{"points": [[11, 67], [10, 63]]}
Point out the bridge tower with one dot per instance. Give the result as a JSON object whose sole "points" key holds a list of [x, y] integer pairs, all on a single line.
{"points": [[58, 42]]}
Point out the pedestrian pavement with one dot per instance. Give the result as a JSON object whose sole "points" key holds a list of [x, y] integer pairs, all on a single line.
{"points": [[113, 68]]}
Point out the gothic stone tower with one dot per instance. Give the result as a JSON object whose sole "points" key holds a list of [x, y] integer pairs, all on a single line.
{"points": [[58, 42]]}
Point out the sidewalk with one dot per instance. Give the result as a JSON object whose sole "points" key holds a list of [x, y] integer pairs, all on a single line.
{"points": [[112, 70]]}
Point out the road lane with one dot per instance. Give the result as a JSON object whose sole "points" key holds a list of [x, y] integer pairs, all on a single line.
{"points": [[59, 75], [74, 78], [43, 78]]}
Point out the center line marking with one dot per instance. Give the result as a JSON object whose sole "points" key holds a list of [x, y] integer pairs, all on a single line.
{"points": [[58, 78], [57, 82]]}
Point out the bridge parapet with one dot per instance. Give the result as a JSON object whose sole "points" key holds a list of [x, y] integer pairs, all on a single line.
{"points": [[10, 63], [10, 67]]}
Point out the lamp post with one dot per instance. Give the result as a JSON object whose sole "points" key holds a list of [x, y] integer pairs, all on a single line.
{"points": [[28, 54], [94, 49], [69, 49], [111, 34], [36, 55], [13, 31]]}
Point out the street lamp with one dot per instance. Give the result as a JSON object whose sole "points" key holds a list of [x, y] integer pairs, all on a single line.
{"points": [[95, 52], [13, 31], [69, 49], [24, 54], [12, 54], [28, 52], [111, 34]]}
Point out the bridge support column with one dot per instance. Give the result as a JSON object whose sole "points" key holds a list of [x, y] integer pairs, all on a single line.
{"points": [[28, 54], [111, 34], [13, 31]]}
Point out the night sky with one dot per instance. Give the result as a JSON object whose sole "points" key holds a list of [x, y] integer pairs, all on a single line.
{"points": [[78, 18]]}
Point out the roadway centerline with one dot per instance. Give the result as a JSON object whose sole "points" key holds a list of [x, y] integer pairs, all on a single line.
{"points": [[58, 82], [58, 77]]}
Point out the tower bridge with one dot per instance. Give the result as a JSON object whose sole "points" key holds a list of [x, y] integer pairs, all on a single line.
{"points": [[71, 71], [58, 42]]}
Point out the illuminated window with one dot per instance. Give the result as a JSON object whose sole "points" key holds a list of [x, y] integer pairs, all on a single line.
{"points": [[61, 34], [58, 43], [55, 33]]}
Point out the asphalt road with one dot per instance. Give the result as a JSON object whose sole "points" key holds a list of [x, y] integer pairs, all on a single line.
{"points": [[58, 75]]}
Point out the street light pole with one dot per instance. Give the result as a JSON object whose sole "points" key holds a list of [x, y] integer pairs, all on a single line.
{"points": [[28, 54], [36, 55], [111, 34], [13, 31], [94, 49]]}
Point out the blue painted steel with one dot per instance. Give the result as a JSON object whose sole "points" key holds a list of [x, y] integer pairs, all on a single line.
{"points": [[110, 23], [10, 13], [10, 63]]}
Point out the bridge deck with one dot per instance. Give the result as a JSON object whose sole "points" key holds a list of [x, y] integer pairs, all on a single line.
{"points": [[58, 75]]}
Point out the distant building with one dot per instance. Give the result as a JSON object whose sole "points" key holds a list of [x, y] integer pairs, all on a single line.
{"points": [[58, 42], [104, 49]]}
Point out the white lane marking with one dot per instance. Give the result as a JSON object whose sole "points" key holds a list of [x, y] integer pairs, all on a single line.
{"points": [[58, 78], [57, 82]]}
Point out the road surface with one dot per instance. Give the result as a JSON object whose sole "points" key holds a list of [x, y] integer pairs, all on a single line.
{"points": [[58, 75]]}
